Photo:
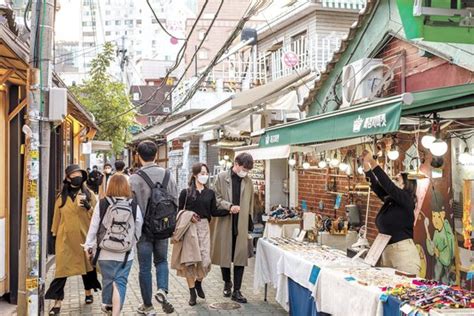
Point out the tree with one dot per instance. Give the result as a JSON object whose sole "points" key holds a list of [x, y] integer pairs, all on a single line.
{"points": [[105, 98]]}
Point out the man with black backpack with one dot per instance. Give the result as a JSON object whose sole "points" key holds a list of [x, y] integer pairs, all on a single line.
{"points": [[156, 193]]}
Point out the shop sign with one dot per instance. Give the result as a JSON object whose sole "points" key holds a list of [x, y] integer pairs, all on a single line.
{"points": [[346, 124], [272, 139], [361, 124]]}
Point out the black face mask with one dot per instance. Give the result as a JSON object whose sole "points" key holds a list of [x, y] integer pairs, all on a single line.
{"points": [[76, 181]]}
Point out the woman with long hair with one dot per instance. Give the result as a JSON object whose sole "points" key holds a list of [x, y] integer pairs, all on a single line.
{"points": [[396, 217], [115, 264], [192, 236], [72, 214]]}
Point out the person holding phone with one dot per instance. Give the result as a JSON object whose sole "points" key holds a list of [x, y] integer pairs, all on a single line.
{"points": [[396, 217], [200, 202], [71, 220]]}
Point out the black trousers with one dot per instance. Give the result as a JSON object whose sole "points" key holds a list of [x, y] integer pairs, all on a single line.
{"points": [[56, 289], [238, 270]]}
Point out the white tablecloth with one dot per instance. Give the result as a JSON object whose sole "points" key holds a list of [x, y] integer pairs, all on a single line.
{"points": [[274, 266], [279, 230], [337, 296]]}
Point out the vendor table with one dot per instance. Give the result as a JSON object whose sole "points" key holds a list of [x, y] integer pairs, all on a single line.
{"points": [[314, 280], [276, 266], [280, 229]]}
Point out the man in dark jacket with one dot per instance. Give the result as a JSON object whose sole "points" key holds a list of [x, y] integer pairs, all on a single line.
{"points": [[94, 180]]}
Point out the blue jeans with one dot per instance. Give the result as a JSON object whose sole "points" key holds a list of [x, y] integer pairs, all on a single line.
{"points": [[114, 272], [158, 249]]}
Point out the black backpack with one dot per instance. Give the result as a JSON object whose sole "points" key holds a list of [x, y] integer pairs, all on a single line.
{"points": [[161, 210]]}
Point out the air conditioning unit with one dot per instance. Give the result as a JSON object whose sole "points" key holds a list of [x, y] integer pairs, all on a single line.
{"points": [[361, 80], [277, 115]]}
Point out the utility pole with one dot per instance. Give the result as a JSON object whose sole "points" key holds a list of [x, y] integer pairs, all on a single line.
{"points": [[36, 184]]}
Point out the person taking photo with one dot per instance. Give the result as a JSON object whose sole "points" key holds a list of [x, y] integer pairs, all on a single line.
{"points": [[72, 213]]}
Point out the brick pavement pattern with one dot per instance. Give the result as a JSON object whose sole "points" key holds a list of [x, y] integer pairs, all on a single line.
{"points": [[73, 303]]}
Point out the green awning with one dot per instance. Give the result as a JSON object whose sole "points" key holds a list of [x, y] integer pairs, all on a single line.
{"points": [[378, 117], [441, 99], [369, 119]]}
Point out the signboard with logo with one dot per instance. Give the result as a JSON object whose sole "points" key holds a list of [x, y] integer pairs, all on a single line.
{"points": [[348, 123]]}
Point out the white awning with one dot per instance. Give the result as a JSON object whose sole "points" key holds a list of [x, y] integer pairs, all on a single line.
{"points": [[277, 152], [239, 106]]}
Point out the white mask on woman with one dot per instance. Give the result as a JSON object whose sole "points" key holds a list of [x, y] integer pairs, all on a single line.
{"points": [[203, 178]]}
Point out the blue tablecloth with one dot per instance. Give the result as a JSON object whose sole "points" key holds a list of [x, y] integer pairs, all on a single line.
{"points": [[391, 307], [301, 301]]}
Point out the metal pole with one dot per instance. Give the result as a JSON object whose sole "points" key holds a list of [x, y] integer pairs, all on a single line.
{"points": [[38, 132]]}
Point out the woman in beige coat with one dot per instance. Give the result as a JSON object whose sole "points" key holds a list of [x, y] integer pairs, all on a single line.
{"points": [[191, 240], [72, 215], [229, 235]]}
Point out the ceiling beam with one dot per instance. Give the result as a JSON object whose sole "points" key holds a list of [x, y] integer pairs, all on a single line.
{"points": [[6, 75]]}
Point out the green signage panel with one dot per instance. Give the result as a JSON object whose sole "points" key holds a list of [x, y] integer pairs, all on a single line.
{"points": [[349, 123]]}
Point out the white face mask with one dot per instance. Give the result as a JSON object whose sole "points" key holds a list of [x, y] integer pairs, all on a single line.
{"points": [[202, 178], [242, 174]]}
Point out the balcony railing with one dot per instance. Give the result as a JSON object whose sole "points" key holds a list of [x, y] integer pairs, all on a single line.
{"points": [[312, 54], [244, 70], [344, 4]]}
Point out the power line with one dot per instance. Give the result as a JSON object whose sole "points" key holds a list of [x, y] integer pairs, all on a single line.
{"points": [[179, 58], [191, 59], [159, 22], [247, 15]]}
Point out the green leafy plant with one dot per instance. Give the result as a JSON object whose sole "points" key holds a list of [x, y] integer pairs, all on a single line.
{"points": [[105, 97]]}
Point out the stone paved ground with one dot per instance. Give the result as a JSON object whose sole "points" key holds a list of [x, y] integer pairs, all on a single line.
{"points": [[74, 300]]}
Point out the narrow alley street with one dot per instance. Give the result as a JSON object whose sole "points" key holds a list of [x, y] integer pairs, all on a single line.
{"points": [[179, 294]]}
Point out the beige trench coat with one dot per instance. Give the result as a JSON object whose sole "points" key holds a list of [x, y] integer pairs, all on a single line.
{"points": [[221, 227], [70, 226]]}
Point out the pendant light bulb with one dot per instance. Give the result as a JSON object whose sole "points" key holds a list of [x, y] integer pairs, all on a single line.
{"points": [[306, 165], [360, 170], [466, 157], [427, 140], [226, 157], [343, 166], [322, 164], [393, 153], [292, 161], [439, 147]]}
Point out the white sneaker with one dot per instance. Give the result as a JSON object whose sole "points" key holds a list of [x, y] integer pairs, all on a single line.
{"points": [[145, 310], [162, 298]]}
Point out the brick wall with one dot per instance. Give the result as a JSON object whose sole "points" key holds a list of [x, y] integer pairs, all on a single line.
{"points": [[421, 72], [312, 189]]}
